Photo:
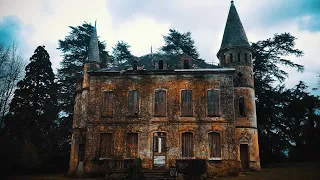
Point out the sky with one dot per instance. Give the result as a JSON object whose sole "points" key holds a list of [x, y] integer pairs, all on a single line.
{"points": [[142, 23]]}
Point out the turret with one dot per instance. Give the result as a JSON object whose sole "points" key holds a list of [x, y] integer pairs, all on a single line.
{"points": [[235, 52]]}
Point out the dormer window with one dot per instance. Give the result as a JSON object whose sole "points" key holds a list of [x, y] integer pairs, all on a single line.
{"points": [[239, 60], [135, 65], [186, 64], [160, 64]]}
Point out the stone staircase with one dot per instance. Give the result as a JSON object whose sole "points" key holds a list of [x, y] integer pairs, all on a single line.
{"points": [[156, 174]]}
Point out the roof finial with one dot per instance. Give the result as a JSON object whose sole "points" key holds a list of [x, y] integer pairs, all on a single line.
{"points": [[232, 1], [95, 24]]}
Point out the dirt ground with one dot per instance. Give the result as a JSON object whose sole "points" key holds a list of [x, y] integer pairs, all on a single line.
{"points": [[297, 171]]}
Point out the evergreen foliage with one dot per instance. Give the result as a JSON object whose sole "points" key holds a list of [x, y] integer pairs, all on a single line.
{"points": [[179, 43], [33, 112], [122, 54]]}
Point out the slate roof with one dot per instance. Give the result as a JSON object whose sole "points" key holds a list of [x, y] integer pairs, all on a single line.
{"points": [[93, 46], [234, 34]]}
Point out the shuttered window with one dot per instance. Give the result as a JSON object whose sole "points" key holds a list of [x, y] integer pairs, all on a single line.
{"points": [[160, 100], [133, 106], [213, 102], [105, 145], [108, 103], [187, 144], [132, 145], [186, 103], [214, 145]]}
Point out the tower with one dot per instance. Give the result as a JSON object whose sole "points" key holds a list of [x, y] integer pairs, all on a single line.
{"points": [[235, 52], [80, 116]]}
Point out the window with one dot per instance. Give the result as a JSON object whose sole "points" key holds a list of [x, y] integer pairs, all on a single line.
{"points": [[105, 145], [239, 57], [132, 145], [133, 107], [186, 103], [241, 107], [213, 102], [160, 107], [214, 145], [135, 65], [246, 57], [231, 58], [250, 58], [81, 152], [187, 144], [160, 64], [186, 64], [108, 102]]}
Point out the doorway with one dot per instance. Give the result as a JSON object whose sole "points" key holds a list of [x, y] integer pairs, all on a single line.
{"points": [[244, 157], [159, 150]]}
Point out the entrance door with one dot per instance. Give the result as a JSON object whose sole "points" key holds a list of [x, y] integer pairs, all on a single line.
{"points": [[244, 157], [159, 150]]}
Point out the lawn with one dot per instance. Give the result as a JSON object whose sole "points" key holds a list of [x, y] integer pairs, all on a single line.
{"points": [[295, 171]]}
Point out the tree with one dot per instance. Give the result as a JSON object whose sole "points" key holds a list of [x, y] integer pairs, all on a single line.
{"points": [[268, 55], [75, 50], [179, 43], [122, 54], [11, 64], [33, 110]]}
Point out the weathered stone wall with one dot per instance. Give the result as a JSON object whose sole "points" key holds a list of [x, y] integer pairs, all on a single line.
{"points": [[173, 124]]}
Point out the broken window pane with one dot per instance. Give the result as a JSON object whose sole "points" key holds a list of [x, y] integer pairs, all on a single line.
{"points": [[132, 145], [214, 145], [133, 107], [186, 103], [160, 107], [213, 102], [105, 145], [187, 144], [108, 103]]}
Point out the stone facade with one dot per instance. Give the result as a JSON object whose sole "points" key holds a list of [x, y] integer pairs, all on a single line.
{"points": [[226, 140]]}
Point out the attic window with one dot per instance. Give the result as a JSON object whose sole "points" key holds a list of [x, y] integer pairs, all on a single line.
{"points": [[239, 57], [160, 64], [186, 64], [135, 65], [231, 58]]}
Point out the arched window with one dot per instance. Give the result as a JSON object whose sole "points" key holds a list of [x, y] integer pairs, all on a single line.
{"points": [[135, 65], [246, 57], [186, 64], [241, 107]]}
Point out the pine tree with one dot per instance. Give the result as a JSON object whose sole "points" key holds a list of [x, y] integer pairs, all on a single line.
{"points": [[122, 54], [33, 109], [179, 43]]}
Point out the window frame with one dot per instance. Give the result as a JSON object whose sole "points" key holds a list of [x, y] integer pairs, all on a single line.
{"points": [[209, 148], [111, 146], [127, 146], [104, 112], [192, 145], [165, 103], [132, 114], [219, 103], [191, 114]]}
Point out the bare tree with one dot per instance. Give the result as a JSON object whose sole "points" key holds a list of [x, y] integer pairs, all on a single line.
{"points": [[11, 68]]}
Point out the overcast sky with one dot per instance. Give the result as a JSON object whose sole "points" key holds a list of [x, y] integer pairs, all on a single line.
{"points": [[143, 22]]}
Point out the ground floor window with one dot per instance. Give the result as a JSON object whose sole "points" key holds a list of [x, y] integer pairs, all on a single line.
{"points": [[187, 144], [105, 145], [214, 145], [132, 145]]}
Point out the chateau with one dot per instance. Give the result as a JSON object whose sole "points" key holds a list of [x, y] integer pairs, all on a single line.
{"points": [[169, 117]]}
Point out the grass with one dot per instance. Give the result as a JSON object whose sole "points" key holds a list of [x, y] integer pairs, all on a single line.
{"points": [[292, 171]]}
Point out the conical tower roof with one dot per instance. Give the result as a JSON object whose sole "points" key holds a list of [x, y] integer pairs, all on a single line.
{"points": [[234, 34], [93, 46]]}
